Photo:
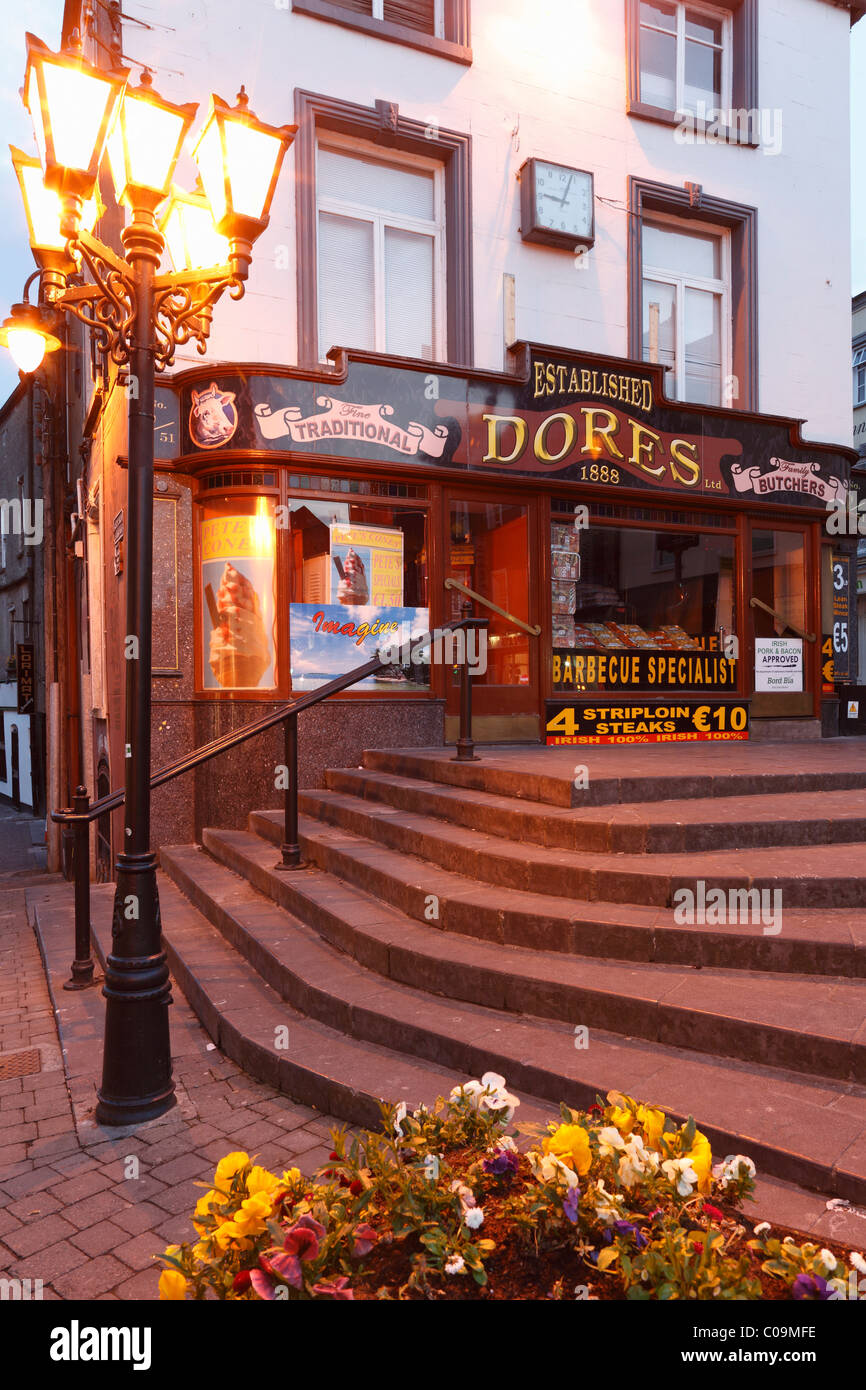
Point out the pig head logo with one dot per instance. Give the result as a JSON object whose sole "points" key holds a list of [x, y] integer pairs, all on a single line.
{"points": [[213, 418]]}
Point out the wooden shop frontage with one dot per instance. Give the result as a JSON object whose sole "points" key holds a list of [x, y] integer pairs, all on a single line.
{"points": [[670, 567]]}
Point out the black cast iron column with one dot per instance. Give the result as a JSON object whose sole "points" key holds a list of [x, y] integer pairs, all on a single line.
{"points": [[136, 1077]]}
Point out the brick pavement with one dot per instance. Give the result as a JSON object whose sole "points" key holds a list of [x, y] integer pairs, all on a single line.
{"points": [[85, 1208]]}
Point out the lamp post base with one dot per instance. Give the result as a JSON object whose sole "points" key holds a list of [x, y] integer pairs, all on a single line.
{"points": [[136, 1066]]}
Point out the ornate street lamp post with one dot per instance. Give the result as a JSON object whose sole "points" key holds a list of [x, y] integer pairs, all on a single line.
{"points": [[138, 317]]}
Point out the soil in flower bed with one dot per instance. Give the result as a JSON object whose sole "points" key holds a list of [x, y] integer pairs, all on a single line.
{"points": [[516, 1272]]}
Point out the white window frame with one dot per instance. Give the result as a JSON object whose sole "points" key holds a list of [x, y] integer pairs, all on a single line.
{"points": [[680, 283], [860, 376], [438, 16], [435, 228], [726, 94]]}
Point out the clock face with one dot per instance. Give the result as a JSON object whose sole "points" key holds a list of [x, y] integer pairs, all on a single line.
{"points": [[166, 415], [563, 200]]}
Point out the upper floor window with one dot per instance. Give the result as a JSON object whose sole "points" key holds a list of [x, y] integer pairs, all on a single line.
{"points": [[686, 307], [860, 376], [438, 26], [685, 57], [426, 15], [380, 252]]}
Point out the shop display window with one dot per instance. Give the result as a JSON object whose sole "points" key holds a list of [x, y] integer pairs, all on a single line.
{"points": [[632, 589], [358, 585], [237, 560]]}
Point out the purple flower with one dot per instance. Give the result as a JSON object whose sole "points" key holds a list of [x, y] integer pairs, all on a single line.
{"points": [[334, 1288], [570, 1203], [625, 1228], [505, 1162], [811, 1287]]}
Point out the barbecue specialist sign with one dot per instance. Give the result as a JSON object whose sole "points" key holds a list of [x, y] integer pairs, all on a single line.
{"points": [[683, 721], [644, 670]]}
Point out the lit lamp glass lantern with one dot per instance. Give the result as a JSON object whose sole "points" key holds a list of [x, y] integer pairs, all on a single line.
{"points": [[144, 144], [27, 336], [72, 106], [192, 239], [44, 211], [239, 159]]}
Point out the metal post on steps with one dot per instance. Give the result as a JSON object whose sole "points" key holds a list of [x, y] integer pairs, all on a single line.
{"points": [[290, 849], [465, 746], [82, 966]]}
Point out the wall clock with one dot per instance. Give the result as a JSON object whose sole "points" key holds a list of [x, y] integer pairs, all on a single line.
{"points": [[557, 204]]}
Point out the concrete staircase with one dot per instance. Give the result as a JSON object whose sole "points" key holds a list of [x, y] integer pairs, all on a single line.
{"points": [[457, 918]]}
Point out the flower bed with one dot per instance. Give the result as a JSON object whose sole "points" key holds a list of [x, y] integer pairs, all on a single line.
{"points": [[614, 1203]]}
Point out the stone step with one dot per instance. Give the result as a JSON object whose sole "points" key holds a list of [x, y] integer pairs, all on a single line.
{"points": [[621, 775], [244, 1015], [655, 827], [831, 942], [796, 1128], [806, 877], [801, 1023]]}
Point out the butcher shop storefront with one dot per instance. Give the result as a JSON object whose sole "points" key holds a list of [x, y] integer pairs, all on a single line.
{"points": [[651, 571]]}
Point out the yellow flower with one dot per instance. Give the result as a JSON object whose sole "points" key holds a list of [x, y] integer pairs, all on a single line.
{"points": [[260, 1180], [201, 1251], [701, 1156], [623, 1119], [254, 1211], [653, 1121], [172, 1285], [570, 1144], [227, 1233], [228, 1166], [292, 1175], [172, 1249], [204, 1207]]}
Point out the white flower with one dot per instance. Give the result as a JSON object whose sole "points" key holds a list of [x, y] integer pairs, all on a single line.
{"points": [[455, 1264], [466, 1195], [607, 1204], [828, 1260], [488, 1094], [609, 1139], [680, 1172], [474, 1217], [762, 1227], [549, 1168], [636, 1161], [858, 1261], [399, 1117], [506, 1142], [730, 1170]]}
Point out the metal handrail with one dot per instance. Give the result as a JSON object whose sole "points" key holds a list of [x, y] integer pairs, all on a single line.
{"points": [[256, 726], [83, 812], [532, 628]]}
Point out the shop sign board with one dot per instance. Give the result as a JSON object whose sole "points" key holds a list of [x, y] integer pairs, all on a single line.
{"points": [[779, 663], [561, 416], [25, 676], [843, 574], [680, 721], [664, 671]]}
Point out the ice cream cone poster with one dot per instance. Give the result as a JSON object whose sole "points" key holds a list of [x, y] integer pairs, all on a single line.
{"points": [[237, 565], [366, 565]]}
